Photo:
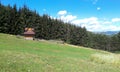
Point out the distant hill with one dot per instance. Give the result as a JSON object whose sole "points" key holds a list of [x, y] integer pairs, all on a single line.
{"points": [[109, 32]]}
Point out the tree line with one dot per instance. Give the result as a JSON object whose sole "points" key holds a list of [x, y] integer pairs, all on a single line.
{"points": [[14, 21]]}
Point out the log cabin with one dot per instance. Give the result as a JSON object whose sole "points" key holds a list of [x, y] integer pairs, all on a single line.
{"points": [[29, 33]]}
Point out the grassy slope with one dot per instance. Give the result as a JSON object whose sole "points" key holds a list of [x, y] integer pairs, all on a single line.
{"points": [[18, 55]]}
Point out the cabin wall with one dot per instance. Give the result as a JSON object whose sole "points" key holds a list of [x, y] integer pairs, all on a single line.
{"points": [[29, 38]]}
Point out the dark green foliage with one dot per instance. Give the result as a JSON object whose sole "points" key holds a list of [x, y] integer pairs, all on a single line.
{"points": [[115, 42], [14, 21]]}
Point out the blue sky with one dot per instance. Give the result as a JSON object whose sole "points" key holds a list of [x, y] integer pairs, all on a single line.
{"points": [[95, 15]]}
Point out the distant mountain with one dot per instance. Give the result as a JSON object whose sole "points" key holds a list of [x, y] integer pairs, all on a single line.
{"points": [[110, 32]]}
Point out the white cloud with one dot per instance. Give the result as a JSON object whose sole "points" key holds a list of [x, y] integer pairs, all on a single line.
{"points": [[93, 24], [63, 15], [98, 8], [67, 18], [116, 20], [62, 12], [91, 20], [106, 22], [113, 28], [94, 1]]}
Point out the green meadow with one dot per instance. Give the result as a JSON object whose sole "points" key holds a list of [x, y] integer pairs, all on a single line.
{"points": [[19, 55]]}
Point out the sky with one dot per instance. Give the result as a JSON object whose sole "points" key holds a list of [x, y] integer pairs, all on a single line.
{"points": [[95, 15]]}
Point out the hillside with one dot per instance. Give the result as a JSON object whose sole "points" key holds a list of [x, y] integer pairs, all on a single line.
{"points": [[19, 55], [15, 20]]}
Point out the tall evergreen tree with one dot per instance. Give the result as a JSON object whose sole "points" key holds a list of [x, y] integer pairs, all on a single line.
{"points": [[14, 21]]}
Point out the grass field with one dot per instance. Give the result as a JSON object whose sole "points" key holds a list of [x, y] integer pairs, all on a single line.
{"points": [[19, 55]]}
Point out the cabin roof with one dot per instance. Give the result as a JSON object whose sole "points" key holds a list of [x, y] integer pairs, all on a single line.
{"points": [[29, 31]]}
